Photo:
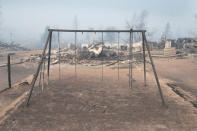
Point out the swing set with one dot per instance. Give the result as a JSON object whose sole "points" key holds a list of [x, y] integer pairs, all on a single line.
{"points": [[145, 45]]}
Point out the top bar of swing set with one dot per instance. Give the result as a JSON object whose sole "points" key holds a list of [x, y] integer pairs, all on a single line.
{"points": [[65, 30]]}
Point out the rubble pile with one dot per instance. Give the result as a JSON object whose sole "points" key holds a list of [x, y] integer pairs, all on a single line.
{"points": [[92, 55]]}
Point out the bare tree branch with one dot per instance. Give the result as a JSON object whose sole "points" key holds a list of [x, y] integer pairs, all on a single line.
{"points": [[167, 31], [138, 22]]}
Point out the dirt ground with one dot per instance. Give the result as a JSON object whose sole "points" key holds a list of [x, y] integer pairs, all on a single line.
{"points": [[10, 98], [182, 71], [90, 104]]}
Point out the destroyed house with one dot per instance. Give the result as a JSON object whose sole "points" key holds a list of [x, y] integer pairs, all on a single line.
{"points": [[170, 43], [185, 42]]}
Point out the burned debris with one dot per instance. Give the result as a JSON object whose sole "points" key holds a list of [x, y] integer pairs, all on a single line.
{"points": [[11, 47]]}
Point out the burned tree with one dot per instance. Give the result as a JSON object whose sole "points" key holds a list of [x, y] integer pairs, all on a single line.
{"points": [[138, 22], [45, 34], [167, 31]]}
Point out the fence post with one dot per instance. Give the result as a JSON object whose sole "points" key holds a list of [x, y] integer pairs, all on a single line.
{"points": [[9, 72]]}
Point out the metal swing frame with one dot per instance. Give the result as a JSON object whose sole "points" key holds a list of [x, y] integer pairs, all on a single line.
{"points": [[145, 46]]}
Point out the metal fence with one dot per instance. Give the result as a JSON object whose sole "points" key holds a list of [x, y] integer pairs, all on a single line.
{"points": [[14, 66]]}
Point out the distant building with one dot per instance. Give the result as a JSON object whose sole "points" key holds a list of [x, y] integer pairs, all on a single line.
{"points": [[181, 41], [170, 43], [170, 48], [187, 42]]}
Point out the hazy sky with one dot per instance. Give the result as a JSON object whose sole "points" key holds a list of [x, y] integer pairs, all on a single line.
{"points": [[27, 19]]}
